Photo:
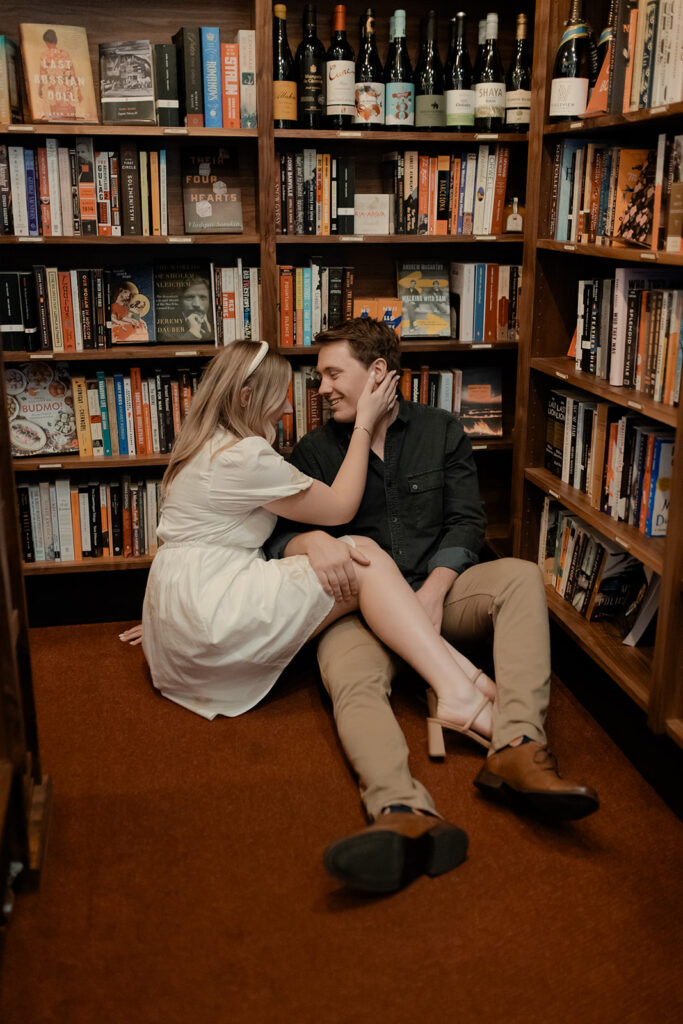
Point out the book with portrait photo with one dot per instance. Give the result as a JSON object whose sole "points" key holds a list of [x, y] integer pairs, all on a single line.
{"points": [[211, 203], [130, 305], [41, 409], [423, 291], [127, 82], [58, 74], [184, 301]]}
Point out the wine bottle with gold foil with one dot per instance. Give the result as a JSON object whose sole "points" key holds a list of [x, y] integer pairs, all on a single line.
{"points": [[284, 78], [572, 71]]}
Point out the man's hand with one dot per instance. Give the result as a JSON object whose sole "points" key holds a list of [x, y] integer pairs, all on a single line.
{"points": [[433, 591], [332, 561]]}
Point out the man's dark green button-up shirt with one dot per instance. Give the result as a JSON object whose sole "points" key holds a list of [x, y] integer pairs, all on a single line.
{"points": [[421, 504]]}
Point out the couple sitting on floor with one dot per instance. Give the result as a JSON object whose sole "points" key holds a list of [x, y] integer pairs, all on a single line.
{"points": [[241, 582]]}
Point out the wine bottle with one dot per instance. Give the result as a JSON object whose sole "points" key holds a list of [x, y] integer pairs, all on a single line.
{"points": [[391, 49], [518, 83], [309, 64], [572, 71], [340, 75], [430, 107], [284, 79], [369, 78], [481, 46], [607, 34], [458, 79], [398, 75], [489, 86]]}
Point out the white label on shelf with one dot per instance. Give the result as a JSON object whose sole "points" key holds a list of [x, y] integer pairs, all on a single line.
{"points": [[41, 355], [554, 494], [347, 135], [648, 255], [482, 344], [351, 238], [562, 376], [635, 405], [49, 465], [186, 352], [479, 447], [179, 239], [623, 543], [570, 248], [176, 131], [659, 110], [486, 135], [21, 127], [576, 124], [484, 238], [30, 238]]}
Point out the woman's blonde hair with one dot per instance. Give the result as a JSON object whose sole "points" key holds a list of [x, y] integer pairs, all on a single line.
{"points": [[217, 402]]}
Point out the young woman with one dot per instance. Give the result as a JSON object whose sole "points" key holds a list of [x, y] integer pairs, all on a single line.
{"points": [[220, 622]]}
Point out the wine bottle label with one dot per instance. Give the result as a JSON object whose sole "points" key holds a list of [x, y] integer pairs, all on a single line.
{"points": [[400, 103], [489, 100], [568, 97], [312, 95], [341, 92], [460, 108], [369, 103], [284, 101], [430, 112], [518, 106]]}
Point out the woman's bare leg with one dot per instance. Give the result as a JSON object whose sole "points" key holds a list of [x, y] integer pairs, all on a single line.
{"points": [[394, 614]]}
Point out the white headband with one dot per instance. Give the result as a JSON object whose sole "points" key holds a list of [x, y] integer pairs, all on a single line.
{"points": [[258, 358]]}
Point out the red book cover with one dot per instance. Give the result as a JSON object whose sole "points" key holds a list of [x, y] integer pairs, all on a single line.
{"points": [[424, 385], [286, 305], [499, 188], [423, 196], [456, 163], [491, 303], [175, 407], [136, 389], [230, 64]]}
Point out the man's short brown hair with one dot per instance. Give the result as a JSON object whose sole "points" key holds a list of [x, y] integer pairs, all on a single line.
{"points": [[368, 340]]}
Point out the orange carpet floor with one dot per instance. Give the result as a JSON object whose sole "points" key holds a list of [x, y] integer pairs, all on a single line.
{"points": [[184, 882]]}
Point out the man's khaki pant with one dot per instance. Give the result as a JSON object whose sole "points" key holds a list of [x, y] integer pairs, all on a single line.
{"points": [[503, 598]]}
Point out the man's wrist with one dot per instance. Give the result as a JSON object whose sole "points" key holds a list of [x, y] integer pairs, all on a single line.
{"points": [[442, 579]]}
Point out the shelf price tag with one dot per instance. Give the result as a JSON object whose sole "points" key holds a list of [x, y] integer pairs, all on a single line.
{"points": [[482, 344], [484, 238], [176, 131], [352, 238], [179, 239], [659, 110], [575, 124], [623, 543], [21, 127], [186, 352], [49, 465], [486, 135], [479, 447], [347, 135], [562, 376], [635, 405], [570, 248], [30, 238], [41, 355], [648, 255], [554, 494]]}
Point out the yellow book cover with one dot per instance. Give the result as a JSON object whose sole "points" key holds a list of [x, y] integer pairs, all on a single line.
{"points": [[82, 413], [58, 73], [326, 194], [154, 187]]}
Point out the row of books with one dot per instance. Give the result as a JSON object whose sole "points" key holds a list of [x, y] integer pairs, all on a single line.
{"points": [[79, 190], [53, 412], [642, 68], [198, 80], [65, 520], [485, 301], [53, 310], [622, 462], [313, 299], [628, 331], [458, 194], [596, 575]]}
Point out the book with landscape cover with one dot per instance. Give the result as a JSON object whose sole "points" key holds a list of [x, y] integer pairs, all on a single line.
{"points": [[481, 404], [57, 73], [41, 409], [423, 291], [210, 203], [127, 82], [130, 305], [183, 298], [635, 196]]}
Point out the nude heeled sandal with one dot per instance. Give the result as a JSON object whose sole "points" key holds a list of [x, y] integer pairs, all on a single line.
{"points": [[436, 725]]}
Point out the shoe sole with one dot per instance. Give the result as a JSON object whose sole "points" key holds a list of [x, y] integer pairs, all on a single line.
{"points": [[558, 806], [384, 861]]}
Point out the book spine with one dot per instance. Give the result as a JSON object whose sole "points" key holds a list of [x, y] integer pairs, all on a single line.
{"points": [[32, 199], [131, 214], [103, 193], [190, 86], [167, 104], [246, 40], [87, 201], [230, 64], [211, 68]]}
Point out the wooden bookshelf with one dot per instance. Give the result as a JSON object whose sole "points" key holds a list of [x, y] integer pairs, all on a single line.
{"points": [[104, 564], [182, 241], [604, 123], [118, 353], [128, 131], [403, 240], [64, 462], [426, 346], [404, 137], [620, 253]]}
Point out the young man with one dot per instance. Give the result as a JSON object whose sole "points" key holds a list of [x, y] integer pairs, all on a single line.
{"points": [[422, 505]]}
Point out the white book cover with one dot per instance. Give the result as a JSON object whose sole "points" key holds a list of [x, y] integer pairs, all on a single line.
{"points": [[17, 178], [95, 411], [580, 309], [662, 490], [103, 193], [623, 276], [246, 40], [299, 395], [152, 518], [46, 516], [316, 295], [490, 189], [254, 281], [470, 184], [54, 309], [503, 303], [36, 522], [55, 522], [239, 311], [66, 534], [462, 289], [53, 184], [446, 390], [664, 329], [154, 415], [76, 303], [373, 214], [479, 225], [673, 87], [84, 516], [130, 421], [638, 54], [65, 194], [567, 447], [663, 50]]}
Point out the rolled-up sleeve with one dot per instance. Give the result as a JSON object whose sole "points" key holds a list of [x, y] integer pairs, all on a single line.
{"points": [[464, 522]]}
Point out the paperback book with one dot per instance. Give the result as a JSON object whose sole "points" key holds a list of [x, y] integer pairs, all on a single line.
{"points": [[127, 82], [210, 203], [41, 409], [424, 294], [57, 73], [183, 296], [131, 305], [481, 402]]}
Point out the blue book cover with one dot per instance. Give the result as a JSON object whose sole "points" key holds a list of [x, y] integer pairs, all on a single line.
{"points": [[604, 192], [31, 193], [211, 67], [104, 411], [479, 300], [121, 414], [308, 305], [658, 469], [246, 301], [461, 193], [566, 187]]}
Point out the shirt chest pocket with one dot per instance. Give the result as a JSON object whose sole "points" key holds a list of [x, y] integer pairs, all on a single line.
{"points": [[424, 497]]}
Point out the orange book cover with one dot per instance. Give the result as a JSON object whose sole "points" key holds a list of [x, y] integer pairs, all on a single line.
{"points": [[365, 307], [286, 305], [454, 188], [44, 192], [230, 65], [175, 407], [423, 196], [327, 180], [288, 419], [628, 80], [147, 418], [67, 310], [424, 385], [76, 524], [136, 389], [154, 187], [571, 351], [643, 335], [443, 163], [491, 303], [126, 522], [499, 189], [58, 73], [390, 311], [611, 460], [406, 384], [671, 359], [647, 474], [597, 104], [634, 199]]}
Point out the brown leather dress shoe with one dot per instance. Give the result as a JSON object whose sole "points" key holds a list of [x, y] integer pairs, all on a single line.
{"points": [[395, 850], [526, 777]]}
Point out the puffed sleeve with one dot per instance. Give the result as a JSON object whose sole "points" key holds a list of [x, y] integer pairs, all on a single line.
{"points": [[251, 474]]}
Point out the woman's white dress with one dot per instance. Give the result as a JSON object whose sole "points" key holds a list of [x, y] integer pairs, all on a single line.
{"points": [[220, 622]]}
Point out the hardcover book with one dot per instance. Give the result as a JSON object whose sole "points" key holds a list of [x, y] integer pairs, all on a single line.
{"points": [[423, 290], [635, 196], [10, 101], [127, 82], [481, 403], [57, 73], [183, 296], [41, 409], [130, 305], [210, 202]]}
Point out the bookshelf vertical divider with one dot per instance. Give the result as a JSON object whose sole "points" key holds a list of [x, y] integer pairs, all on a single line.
{"points": [[266, 170]]}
